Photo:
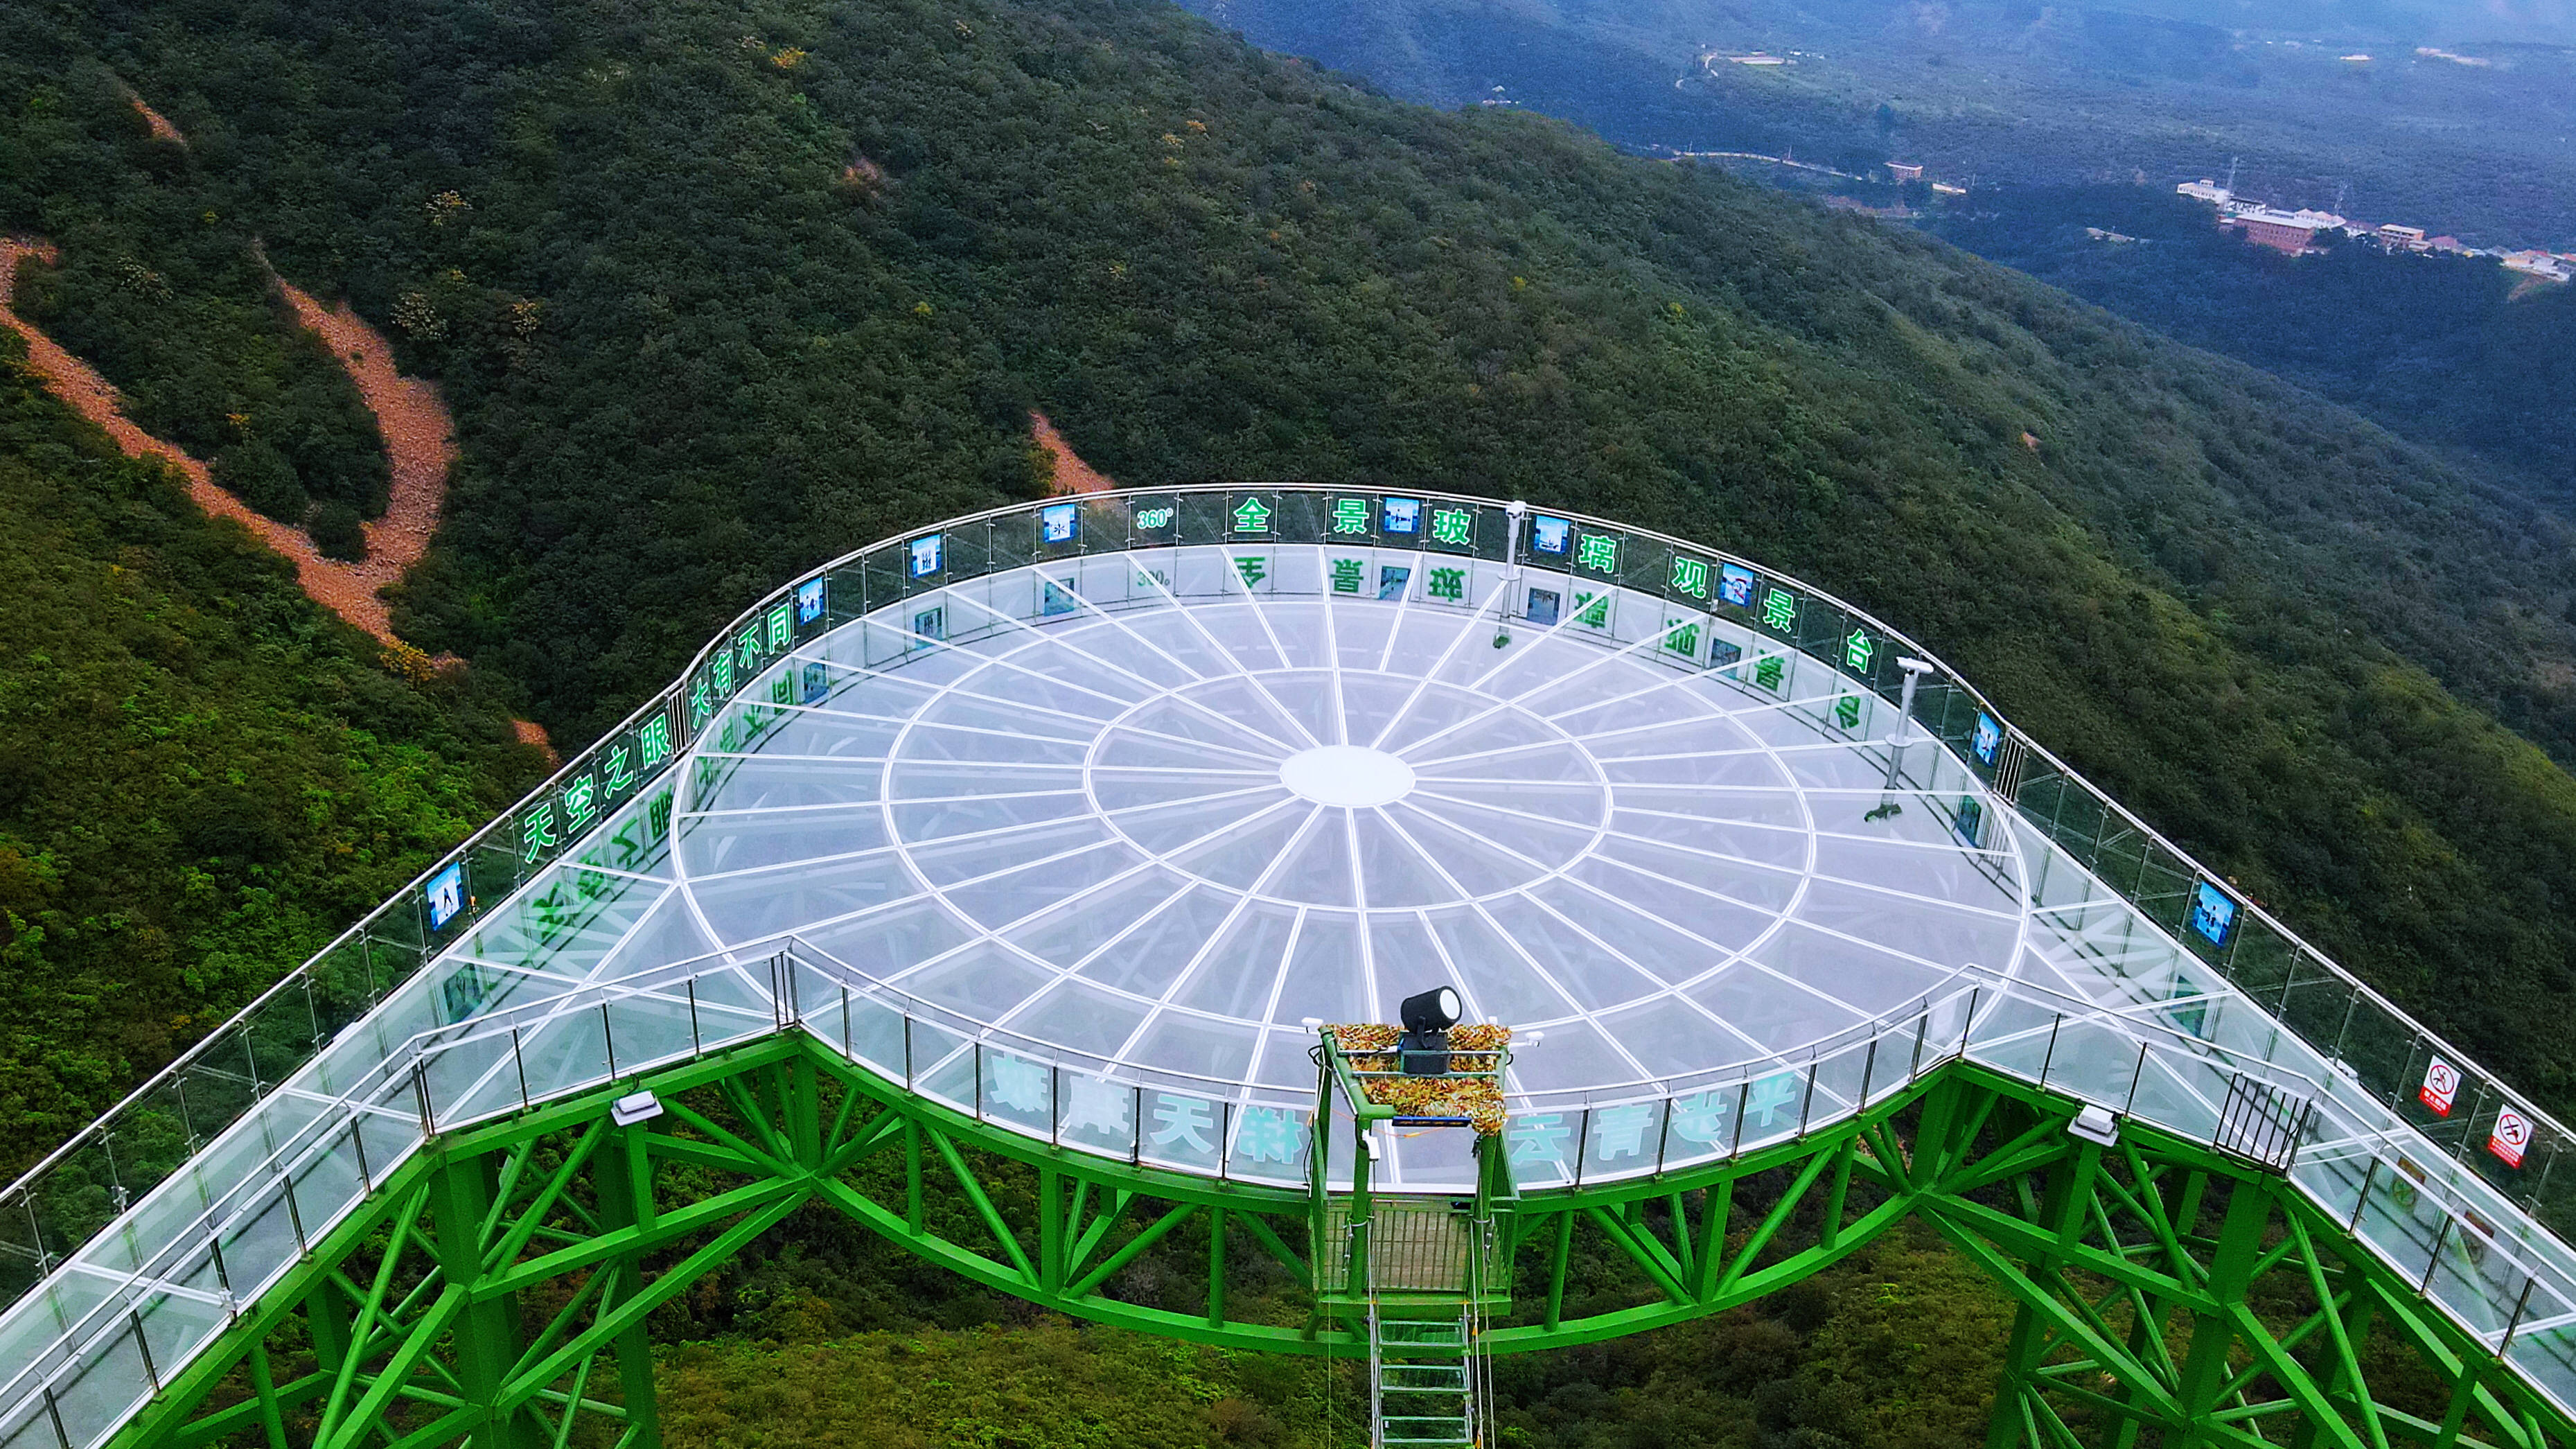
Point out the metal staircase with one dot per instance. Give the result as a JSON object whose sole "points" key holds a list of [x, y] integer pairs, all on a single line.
{"points": [[1422, 1388], [1427, 1294]]}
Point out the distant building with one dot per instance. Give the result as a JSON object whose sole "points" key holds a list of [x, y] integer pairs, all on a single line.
{"points": [[2100, 235], [2358, 59], [2291, 233], [2205, 190], [2540, 264], [1944, 188], [2407, 238], [2446, 244], [1759, 58], [1902, 171]]}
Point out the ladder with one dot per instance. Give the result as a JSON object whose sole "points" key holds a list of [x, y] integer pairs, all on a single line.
{"points": [[1428, 1374]]}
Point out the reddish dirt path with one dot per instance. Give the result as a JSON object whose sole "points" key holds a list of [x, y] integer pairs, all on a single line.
{"points": [[1072, 475], [420, 439], [347, 589], [161, 127]]}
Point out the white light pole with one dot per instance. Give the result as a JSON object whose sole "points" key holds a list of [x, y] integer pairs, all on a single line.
{"points": [[1513, 513], [1903, 734]]}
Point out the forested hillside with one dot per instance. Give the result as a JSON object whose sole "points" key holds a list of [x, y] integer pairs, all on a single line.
{"points": [[2457, 352], [203, 777]]}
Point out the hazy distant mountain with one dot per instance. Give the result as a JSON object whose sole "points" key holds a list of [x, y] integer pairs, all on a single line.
{"points": [[2459, 117]]}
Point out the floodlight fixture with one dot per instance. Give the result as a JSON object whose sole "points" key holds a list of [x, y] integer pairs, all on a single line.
{"points": [[1427, 1016], [1430, 1011]]}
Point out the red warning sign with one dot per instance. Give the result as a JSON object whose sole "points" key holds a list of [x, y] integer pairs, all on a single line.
{"points": [[2441, 1087], [2511, 1137]]}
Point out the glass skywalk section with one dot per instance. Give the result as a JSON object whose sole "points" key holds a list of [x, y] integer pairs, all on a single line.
{"points": [[1079, 817]]}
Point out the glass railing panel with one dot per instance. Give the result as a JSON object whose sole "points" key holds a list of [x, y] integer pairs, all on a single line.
{"points": [[1622, 1139], [76, 1199], [2387, 1055], [2098, 1061], [1019, 1091], [386, 1134], [1771, 1103], [92, 1399], [2400, 1218], [2473, 1280], [729, 1005], [258, 1239], [876, 1036], [2547, 1357], [472, 1078], [1267, 1143], [2182, 1093], [327, 1182], [2316, 1005], [1097, 1113], [158, 1220], [943, 1065], [2261, 961], [1540, 1146], [152, 1137], [2333, 1169], [177, 1326], [2550, 1194], [2015, 1037], [27, 1425], [1182, 1129], [649, 1029], [562, 1053]]}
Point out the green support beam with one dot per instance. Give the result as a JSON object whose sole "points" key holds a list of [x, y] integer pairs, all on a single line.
{"points": [[2167, 1296]]}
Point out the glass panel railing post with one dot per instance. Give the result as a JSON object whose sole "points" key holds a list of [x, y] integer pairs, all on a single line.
{"points": [[519, 1060], [697, 1044], [294, 1211], [420, 1093], [2130, 1107], [608, 1039], [2513, 1325], [2049, 1057]]}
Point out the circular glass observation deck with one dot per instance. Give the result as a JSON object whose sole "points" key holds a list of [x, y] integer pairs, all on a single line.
{"points": [[1169, 824], [1124, 796]]}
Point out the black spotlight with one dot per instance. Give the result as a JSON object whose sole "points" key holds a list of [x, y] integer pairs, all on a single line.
{"points": [[1424, 1047]]}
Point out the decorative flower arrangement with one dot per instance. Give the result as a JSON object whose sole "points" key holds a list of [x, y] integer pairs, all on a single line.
{"points": [[1371, 1047]]}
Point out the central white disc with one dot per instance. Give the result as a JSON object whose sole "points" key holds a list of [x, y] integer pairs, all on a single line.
{"points": [[1347, 775]]}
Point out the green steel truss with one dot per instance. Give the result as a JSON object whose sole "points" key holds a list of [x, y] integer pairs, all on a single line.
{"points": [[494, 1290]]}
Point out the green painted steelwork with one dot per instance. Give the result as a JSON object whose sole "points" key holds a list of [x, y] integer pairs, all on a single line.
{"points": [[493, 1290]]}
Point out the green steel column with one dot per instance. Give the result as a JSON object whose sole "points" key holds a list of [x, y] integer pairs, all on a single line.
{"points": [[2062, 1216], [263, 1387], [2344, 1382], [2231, 1270], [326, 1318], [487, 1332], [1216, 1268], [626, 1201]]}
